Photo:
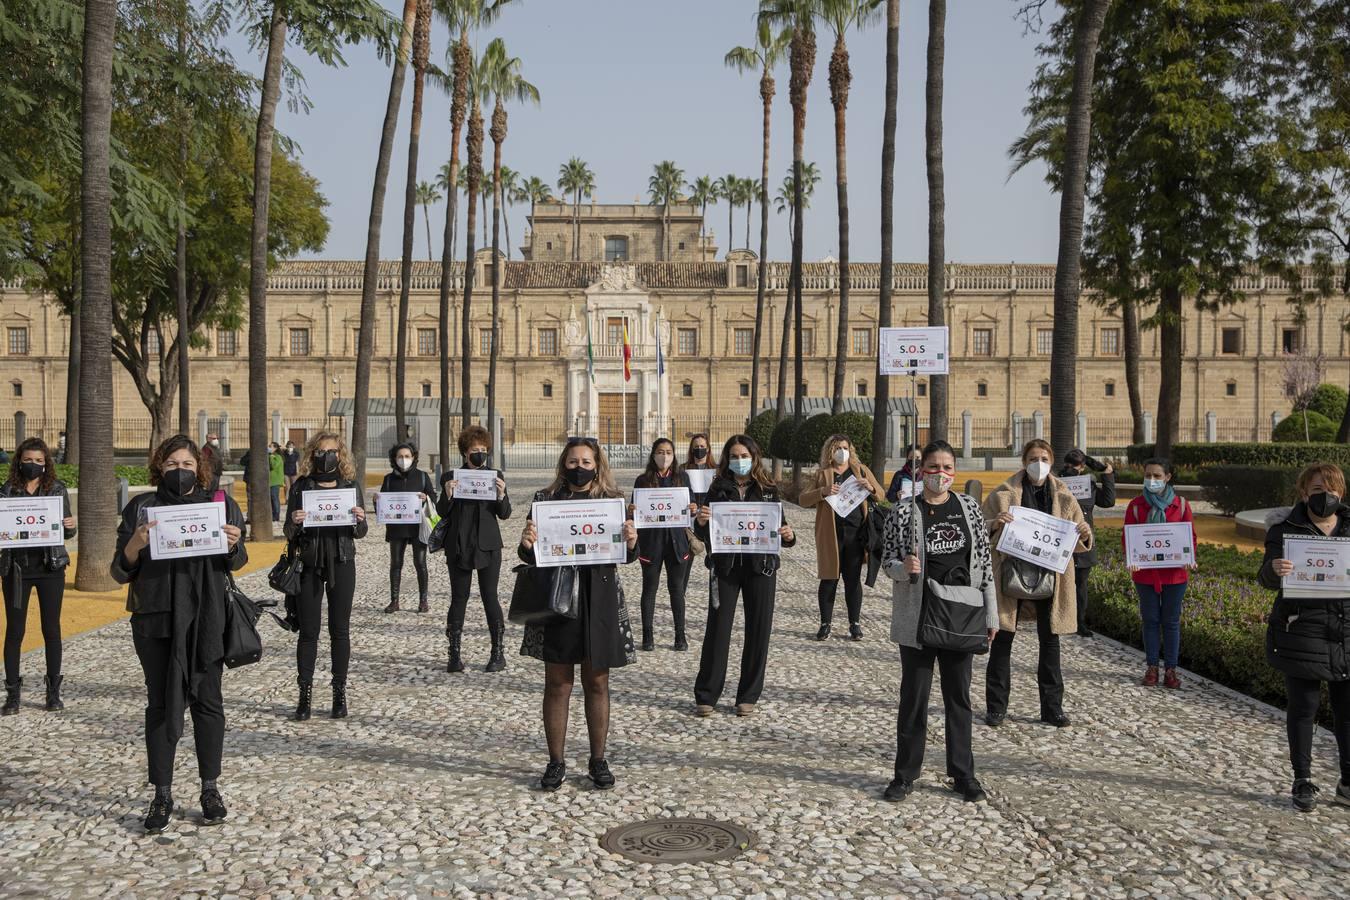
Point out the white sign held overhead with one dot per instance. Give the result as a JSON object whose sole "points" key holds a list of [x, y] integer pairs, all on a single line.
{"points": [[914, 351]]}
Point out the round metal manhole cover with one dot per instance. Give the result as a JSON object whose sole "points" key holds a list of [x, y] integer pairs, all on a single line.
{"points": [[677, 840]]}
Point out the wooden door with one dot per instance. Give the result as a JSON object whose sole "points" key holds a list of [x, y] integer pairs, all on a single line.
{"points": [[611, 424], [297, 436]]}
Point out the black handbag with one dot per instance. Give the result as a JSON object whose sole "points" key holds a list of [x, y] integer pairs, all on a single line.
{"points": [[243, 644], [436, 540], [1022, 580], [529, 600], [285, 575], [952, 618]]}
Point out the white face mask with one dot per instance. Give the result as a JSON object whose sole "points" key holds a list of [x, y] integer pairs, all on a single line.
{"points": [[840, 456], [938, 482], [1038, 470], [663, 461], [404, 463], [1154, 485]]}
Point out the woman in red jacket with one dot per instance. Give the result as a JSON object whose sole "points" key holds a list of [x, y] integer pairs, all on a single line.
{"points": [[1161, 591]]}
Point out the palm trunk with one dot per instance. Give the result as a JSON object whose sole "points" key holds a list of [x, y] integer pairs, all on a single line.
{"points": [[702, 241], [498, 138], [461, 60], [259, 503], [506, 225], [803, 57], [466, 315], [482, 195], [880, 419], [420, 45], [731, 211], [73, 365], [426, 219], [1133, 347], [576, 225], [180, 251], [766, 91], [938, 413], [839, 84]]}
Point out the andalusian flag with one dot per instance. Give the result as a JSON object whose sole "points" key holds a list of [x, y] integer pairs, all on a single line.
{"points": [[627, 354], [590, 351]]}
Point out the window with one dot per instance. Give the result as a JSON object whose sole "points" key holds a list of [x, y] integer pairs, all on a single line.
{"points": [[152, 345], [1110, 388], [616, 249], [862, 389], [297, 389], [1230, 389], [227, 343], [485, 341], [1110, 342], [1231, 339], [1045, 341], [808, 342], [18, 341], [862, 342], [984, 341], [226, 389], [1045, 389], [687, 342], [742, 276], [614, 327], [745, 389], [548, 245], [16, 388], [744, 339], [981, 389], [687, 389], [922, 388], [681, 245], [426, 342], [426, 389], [299, 342], [548, 342], [1288, 340], [548, 390]]}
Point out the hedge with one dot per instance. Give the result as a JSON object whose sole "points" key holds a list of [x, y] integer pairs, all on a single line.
{"points": [[1235, 488], [1194, 456], [70, 474], [808, 440], [781, 439], [858, 427], [1319, 428], [760, 429], [1330, 401]]}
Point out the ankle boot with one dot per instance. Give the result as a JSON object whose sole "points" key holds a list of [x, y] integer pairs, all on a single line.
{"points": [[12, 691], [302, 707], [339, 700], [455, 664], [54, 703], [497, 662], [423, 605], [395, 583]]}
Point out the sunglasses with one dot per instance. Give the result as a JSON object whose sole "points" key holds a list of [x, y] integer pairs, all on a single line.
{"points": [[587, 441]]}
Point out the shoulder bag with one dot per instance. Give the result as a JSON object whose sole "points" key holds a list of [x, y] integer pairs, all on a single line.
{"points": [[243, 644]]}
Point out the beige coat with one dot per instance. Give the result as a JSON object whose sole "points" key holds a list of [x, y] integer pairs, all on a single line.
{"points": [[1064, 605], [827, 541]]}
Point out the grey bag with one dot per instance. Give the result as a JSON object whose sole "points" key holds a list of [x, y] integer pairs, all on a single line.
{"points": [[1022, 580], [952, 618]]}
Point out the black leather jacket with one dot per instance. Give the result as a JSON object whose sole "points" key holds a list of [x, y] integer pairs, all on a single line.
{"points": [[306, 537], [54, 559]]}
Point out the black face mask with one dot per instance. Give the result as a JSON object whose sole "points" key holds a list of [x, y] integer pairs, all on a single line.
{"points": [[700, 453], [31, 470], [478, 459], [326, 463], [1323, 504], [579, 477], [179, 481]]}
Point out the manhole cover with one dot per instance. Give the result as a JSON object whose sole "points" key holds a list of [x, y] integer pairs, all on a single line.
{"points": [[677, 840]]}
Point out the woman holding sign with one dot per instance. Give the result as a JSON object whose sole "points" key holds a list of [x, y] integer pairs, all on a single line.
{"points": [[1022, 585], [177, 604], [1308, 638], [660, 547], [405, 478], [741, 479], [32, 566], [841, 529], [1162, 589], [598, 637], [325, 528], [699, 459]]}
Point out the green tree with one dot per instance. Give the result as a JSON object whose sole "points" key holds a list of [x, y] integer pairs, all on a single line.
{"points": [[534, 190], [787, 192], [664, 188], [577, 179]]}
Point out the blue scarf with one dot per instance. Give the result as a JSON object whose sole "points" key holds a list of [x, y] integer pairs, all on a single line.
{"points": [[1158, 503]]}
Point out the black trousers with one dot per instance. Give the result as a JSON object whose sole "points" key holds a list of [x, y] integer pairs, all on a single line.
{"points": [[1049, 678], [1080, 583], [677, 580], [396, 550], [338, 581], [916, 682], [1305, 695], [208, 714], [758, 594], [851, 554], [51, 587], [461, 583]]}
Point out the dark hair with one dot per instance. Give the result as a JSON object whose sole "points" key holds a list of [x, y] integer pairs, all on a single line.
{"points": [[172, 446], [474, 434], [689, 458], [1161, 461], [757, 472], [648, 477], [402, 445], [1075, 457], [935, 447], [48, 477]]}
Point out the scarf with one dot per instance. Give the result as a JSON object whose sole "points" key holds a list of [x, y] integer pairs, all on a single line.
{"points": [[1158, 504]]}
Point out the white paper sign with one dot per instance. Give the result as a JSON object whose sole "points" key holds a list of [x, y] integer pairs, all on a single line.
{"points": [[851, 495], [1160, 546], [1080, 486], [325, 509], [579, 532], [31, 522], [661, 507], [745, 528], [906, 490], [914, 351], [398, 508], [1321, 567], [193, 529], [475, 484], [1037, 538], [700, 479]]}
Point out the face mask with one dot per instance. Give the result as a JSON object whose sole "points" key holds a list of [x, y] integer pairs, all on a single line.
{"points": [[1154, 485], [700, 453], [404, 463], [938, 482], [31, 470], [478, 459], [740, 466], [579, 477], [840, 457], [1038, 470], [663, 461], [326, 463], [1323, 504], [215, 442], [290, 447], [179, 481]]}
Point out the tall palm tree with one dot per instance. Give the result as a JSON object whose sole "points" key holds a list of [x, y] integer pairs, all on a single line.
{"points": [[502, 82], [787, 193], [421, 56], [726, 190], [763, 57], [664, 188], [577, 179], [450, 192], [889, 117], [475, 178], [510, 191], [534, 190], [702, 191], [937, 205], [747, 191], [842, 16], [427, 194]]}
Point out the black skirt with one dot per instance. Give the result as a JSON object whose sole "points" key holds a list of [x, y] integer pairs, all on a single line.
{"points": [[601, 632]]}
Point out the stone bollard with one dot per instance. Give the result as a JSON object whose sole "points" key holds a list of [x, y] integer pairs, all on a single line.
{"points": [[1211, 428], [975, 489], [1017, 442], [967, 445]]}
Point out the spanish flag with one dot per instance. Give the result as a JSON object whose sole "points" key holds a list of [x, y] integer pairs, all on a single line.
{"points": [[627, 354]]}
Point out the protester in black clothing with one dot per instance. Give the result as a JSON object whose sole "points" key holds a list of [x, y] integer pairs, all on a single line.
{"points": [[329, 557], [26, 569], [896, 492], [473, 543], [1308, 639], [290, 465], [1077, 463], [599, 637], [177, 611], [699, 457], [405, 477], [663, 547], [741, 477]]}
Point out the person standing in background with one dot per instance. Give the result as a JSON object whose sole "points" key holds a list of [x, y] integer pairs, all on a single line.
{"points": [[1076, 464], [275, 477], [290, 465]]}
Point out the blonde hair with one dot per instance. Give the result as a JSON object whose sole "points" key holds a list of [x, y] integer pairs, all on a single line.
{"points": [[827, 455], [1333, 479], [603, 483], [346, 466]]}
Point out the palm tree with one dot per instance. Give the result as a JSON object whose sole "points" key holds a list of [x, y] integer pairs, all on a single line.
{"points": [[427, 194], [475, 177], [726, 190], [763, 57], [510, 192], [702, 191], [534, 190], [98, 502], [501, 82], [421, 56], [576, 178], [444, 188], [787, 192], [664, 188], [841, 16], [937, 206], [883, 388], [747, 191]]}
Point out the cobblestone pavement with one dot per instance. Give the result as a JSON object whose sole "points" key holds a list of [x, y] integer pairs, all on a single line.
{"points": [[428, 789]]}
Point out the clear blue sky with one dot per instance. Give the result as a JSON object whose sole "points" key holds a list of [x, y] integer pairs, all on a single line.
{"points": [[626, 83]]}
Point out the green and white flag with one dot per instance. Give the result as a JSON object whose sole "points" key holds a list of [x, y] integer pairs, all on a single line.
{"points": [[590, 351]]}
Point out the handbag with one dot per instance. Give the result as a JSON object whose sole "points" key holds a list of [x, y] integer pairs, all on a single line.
{"points": [[563, 588], [952, 618], [530, 597], [1022, 580], [696, 546], [285, 575], [243, 644], [428, 524], [435, 539]]}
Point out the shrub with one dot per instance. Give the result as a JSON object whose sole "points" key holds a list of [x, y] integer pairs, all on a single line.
{"points": [[761, 429], [1195, 456], [70, 474], [811, 437], [1235, 488], [780, 440], [1320, 428], [858, 427], [1329, 400], [1135, 476]]}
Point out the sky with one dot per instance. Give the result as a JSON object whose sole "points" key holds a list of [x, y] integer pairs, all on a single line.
{"points": [[625, 84]]}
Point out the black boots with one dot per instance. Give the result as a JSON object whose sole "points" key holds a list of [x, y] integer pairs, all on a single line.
{"points": [[455, 664], [339, 700], [681, 643], [54, 703], [12, 691], [423, 605], [395, 582], [302, 707]]}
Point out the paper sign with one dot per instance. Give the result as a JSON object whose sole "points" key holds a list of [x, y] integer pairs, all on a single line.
{"points": [[579, 532], [193, 529], [324, 509], [661, 507], [398, 508], [700, 480], [914, 351], [475, 484], [1160, 546], [1080, 486], [1321, 567], [745, 528], [851, 495], [31, 522], [1037, 538]]}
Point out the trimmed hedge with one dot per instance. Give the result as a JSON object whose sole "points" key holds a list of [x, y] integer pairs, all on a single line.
{"points": [[1235, 488], [858, 427], [781, 440], [1330, 401], [70, 474], [761, 429], [1194, 456], [808, 440], [1319, 428]]}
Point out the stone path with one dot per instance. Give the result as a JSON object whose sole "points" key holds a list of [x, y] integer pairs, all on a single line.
{"points": [[428, 789]]}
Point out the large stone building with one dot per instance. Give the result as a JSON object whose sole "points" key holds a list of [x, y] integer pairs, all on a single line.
{"points": [[702, 314]]}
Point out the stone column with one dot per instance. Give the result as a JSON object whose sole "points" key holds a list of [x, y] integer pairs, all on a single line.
{"points": [[1148, 427], [1211, 428], [276, 425], [967, 447], [1274, 421], [20, 431], [1017, 442], [1080, 433], [1038, 425], [224, 434], [201, 426]]}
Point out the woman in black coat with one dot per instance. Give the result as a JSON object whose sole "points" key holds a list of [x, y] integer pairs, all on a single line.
{"points": [[666, 548], [598, 638], [405, 477], [177, 611], [1309, 639], [473, 543]]}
